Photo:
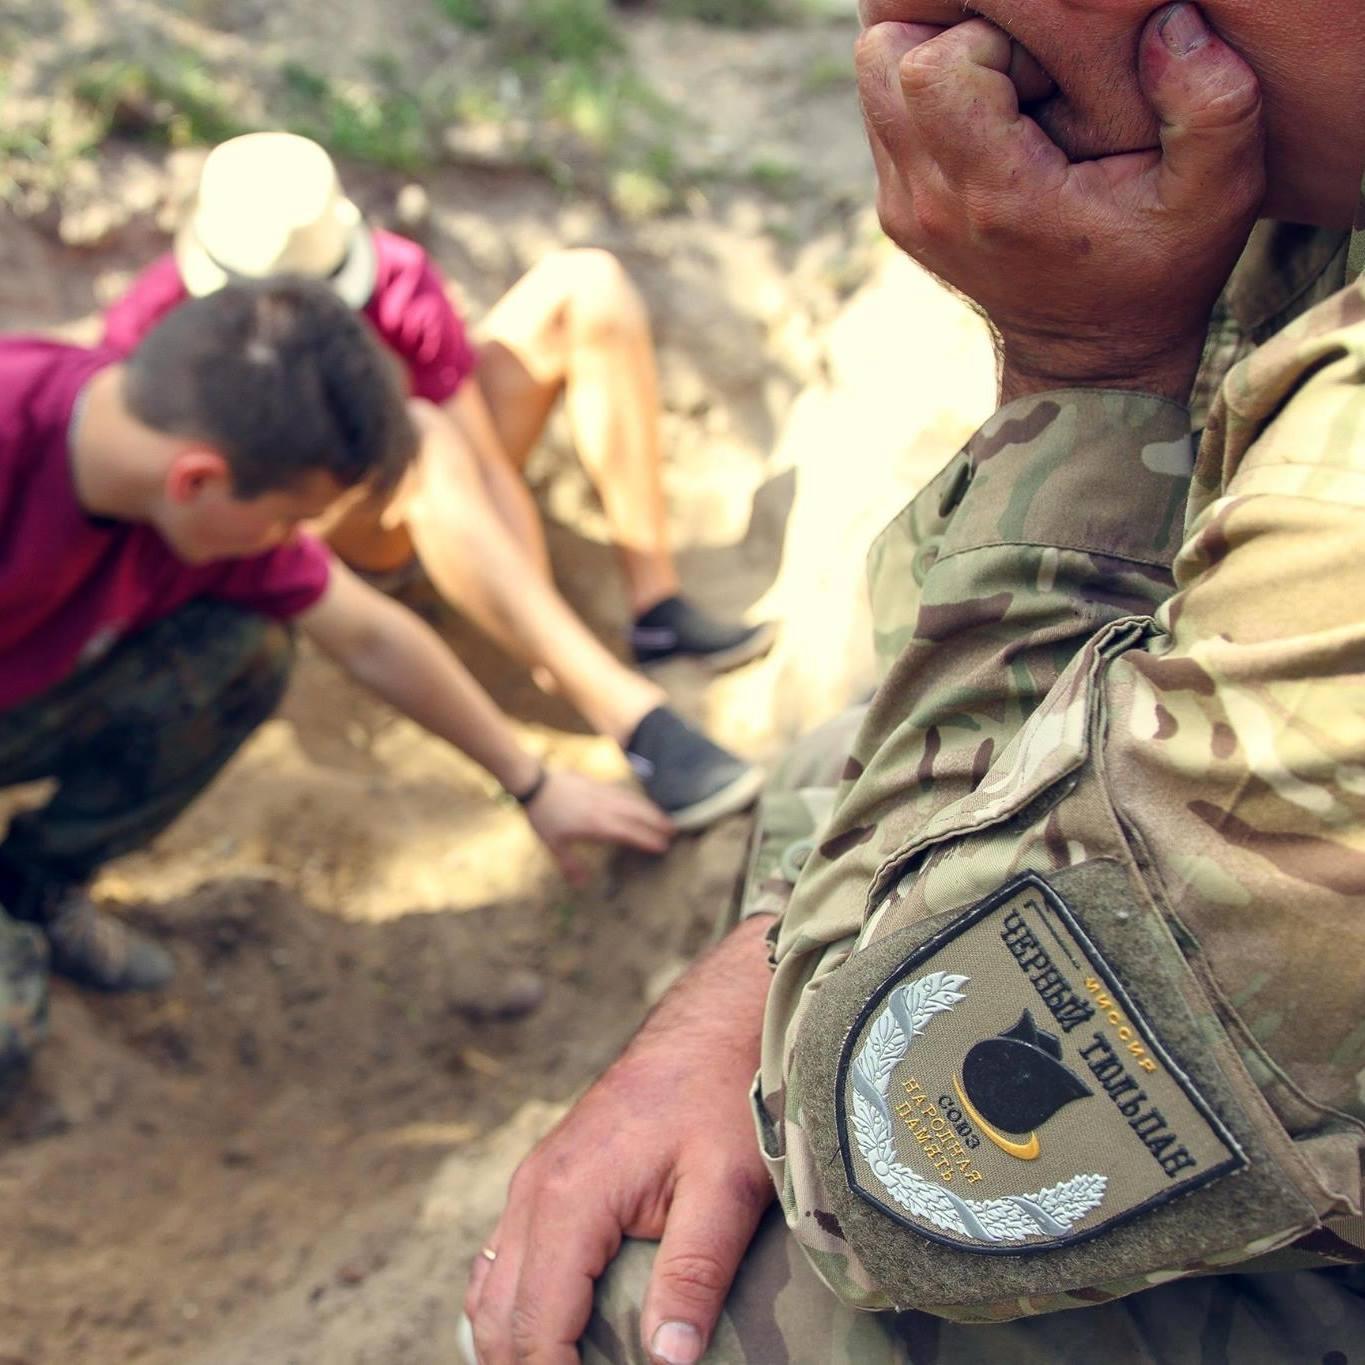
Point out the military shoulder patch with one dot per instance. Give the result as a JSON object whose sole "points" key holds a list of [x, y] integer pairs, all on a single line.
{"points": [[1001, 1093]]}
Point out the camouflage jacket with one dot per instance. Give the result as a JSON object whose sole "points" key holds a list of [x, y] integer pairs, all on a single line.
{"points": [[1068, 998]]}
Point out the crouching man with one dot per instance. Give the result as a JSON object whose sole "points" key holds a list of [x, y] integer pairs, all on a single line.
{"points": [[150, 567]]}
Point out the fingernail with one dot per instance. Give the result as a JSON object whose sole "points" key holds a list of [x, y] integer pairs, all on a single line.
{"points": [[1183, 29], [676, 1343], [464, 1337]]}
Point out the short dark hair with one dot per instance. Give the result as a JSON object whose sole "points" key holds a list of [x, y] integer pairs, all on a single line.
{"points": [[282, 378]]}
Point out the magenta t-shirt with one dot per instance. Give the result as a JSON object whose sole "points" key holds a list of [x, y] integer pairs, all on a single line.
{"points": [[409, 309], [71, 585]]}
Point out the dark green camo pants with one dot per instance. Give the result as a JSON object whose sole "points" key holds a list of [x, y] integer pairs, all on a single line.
{"points": [[131, 740]]}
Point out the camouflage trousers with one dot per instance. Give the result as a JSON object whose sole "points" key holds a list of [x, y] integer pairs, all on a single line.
{"points": [[130, 740], [23, 999], [795, 804], [780, 1312]]}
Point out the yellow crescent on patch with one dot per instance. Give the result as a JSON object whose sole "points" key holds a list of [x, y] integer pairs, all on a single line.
{"points": [[1025, 1151]]}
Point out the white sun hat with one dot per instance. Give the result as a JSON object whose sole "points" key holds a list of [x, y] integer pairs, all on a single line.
{"points": [[271, 204]]}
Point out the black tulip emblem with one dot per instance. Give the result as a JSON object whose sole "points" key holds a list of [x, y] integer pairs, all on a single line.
{"points": [[1016, 1081]]}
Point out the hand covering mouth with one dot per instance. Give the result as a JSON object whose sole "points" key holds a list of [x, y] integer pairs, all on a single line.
{"points": [[1111, 128]]}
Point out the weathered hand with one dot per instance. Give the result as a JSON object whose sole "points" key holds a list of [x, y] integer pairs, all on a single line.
{"points": [[661, 1147], [1095, 273], [570, 808]]}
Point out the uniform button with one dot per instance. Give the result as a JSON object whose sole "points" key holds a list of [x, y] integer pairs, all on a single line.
{"points": [[794, 858]]}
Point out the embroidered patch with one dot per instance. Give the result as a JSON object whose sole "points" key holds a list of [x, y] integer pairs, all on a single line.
{"points": [[1001, 1093]]}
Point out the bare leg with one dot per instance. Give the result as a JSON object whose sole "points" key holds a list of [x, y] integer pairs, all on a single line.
{"points": [[476, 563], [503, 482], [575, 324]]}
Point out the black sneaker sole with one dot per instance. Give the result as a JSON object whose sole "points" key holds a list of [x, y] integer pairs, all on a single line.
{"points": [[729, 800], [752, 647]]}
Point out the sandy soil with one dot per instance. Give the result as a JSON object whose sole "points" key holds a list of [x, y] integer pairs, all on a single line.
{"points": [[290, 1156]]}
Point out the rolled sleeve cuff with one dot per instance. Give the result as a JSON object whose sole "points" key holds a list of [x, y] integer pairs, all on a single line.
{"points": [[1093, 470]]}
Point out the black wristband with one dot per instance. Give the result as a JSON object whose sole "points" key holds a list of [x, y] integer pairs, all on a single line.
{"points": [[525, 798]]}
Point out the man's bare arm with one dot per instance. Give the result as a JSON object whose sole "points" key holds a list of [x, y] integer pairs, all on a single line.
{"points": [[395, 653], [661, 1147]]}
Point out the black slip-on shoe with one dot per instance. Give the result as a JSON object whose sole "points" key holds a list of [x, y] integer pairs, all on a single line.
{"points": [[676, 629], [693, 780]]}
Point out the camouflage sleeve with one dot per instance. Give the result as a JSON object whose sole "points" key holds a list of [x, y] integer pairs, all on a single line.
{"points": [[1185, 767], [1237, 738], [1067, 517], [1060, 516]]}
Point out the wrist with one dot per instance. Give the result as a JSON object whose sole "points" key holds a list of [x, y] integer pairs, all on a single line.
{"points": [[1169, 373], [528, 783], [724, 992]]}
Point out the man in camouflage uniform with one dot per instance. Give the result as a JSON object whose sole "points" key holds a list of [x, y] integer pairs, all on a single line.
{"points": [[1066, 990]]}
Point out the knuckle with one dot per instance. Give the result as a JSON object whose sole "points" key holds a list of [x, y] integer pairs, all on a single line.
{"points": [[556, 1177], [524, 1329], [749, 1188], [1239, 104], [923, 69], [696, 1276], [527, 1178], [871, 54], [866, 47], [934, 223], [897, 216]]}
